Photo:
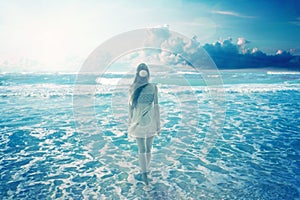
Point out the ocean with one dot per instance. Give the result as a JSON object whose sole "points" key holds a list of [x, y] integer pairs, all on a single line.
{"points": [[61, 138]]}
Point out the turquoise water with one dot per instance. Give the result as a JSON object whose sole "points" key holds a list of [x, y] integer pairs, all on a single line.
{"points": [[52, 149]]}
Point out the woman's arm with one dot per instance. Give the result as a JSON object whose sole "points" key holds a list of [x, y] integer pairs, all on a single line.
{"points": [[129, 114], [156, 107], [130, 110]]}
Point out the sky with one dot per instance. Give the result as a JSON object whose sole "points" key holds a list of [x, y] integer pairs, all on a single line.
{"points": [[58, 35]]}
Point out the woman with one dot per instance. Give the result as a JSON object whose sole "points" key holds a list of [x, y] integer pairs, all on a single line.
{"points": [[144, 118]]}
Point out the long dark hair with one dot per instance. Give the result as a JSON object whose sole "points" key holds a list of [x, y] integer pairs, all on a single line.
{"points": [[139, 84]]}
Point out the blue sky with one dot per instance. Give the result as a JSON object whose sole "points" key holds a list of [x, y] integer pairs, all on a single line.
{"points": [[59, 35]]}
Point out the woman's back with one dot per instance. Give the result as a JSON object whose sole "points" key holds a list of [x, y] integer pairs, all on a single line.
{"points": [[143, 115], [146, 96]]}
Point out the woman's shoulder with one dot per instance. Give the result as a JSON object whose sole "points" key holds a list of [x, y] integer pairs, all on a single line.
{"points": [[148, 89], [151, 86]]}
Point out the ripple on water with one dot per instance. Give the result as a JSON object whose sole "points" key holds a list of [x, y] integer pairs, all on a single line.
{"points": [[257, 155]]}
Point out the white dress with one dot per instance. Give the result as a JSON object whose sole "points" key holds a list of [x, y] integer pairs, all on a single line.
{"points": [[144, 121]]}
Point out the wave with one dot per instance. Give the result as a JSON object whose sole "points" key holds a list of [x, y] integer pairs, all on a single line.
{"points": [[112, 81], [255, 88], [52, 90], [188, 73], [177, 78], [282, 72]]}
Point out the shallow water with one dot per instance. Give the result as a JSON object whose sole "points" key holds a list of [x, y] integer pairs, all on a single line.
{"points": [[53, 149]]}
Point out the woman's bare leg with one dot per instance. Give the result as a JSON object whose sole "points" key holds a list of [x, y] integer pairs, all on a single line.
{"points": [[141, 144], [142, 157], [149, 142]]}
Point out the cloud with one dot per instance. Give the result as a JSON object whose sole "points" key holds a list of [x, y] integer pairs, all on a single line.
{"points": [[255, 50], [242, 41], [296, 21], [14, 64], [242, 44], [231, 13], [227, 53], [179, 50], [279, 52], [158, 34], [25, 64]]}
